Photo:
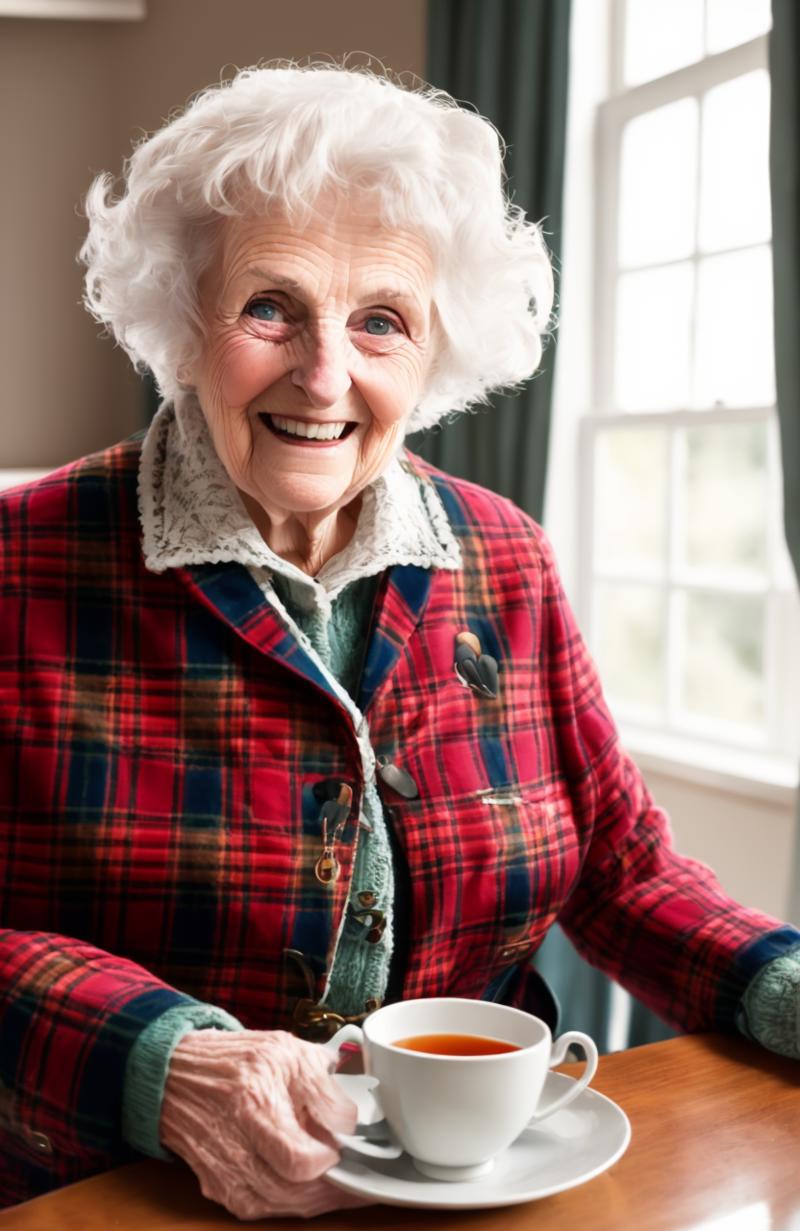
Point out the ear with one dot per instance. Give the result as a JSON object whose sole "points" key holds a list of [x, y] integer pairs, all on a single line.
{"points": [[185, 375]]}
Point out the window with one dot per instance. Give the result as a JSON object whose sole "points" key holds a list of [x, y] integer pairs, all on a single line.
{"points": [[687, 593]]}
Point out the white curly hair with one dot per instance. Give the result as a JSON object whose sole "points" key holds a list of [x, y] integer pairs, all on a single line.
{"points": [[276, 136]]}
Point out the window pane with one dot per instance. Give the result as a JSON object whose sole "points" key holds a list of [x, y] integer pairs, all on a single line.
{"points": [[630, 491], [657, 185], [734, 192], [735, 365], [629, 640], [660, 37], [723, 665], [726, 498], [652, 362], [730, 22]]}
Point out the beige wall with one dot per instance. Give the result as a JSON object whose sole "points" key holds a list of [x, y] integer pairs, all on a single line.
{"points": [[747, 837], [73, 96]]}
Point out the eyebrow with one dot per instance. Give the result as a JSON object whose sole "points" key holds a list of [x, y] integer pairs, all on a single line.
{"points": [[267, 275], [379, 295]]}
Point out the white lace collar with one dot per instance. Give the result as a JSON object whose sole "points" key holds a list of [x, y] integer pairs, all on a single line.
{"points": [[191, 513]]}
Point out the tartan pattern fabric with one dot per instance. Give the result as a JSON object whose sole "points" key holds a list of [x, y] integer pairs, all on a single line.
{"points": [[161, 737]]}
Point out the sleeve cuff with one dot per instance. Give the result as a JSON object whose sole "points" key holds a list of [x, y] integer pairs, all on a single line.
{"points": [[747, 965], [147, 1067], [770, 1009]]}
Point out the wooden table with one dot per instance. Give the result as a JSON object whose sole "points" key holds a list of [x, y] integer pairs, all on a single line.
{"points": [[716, 1146]]}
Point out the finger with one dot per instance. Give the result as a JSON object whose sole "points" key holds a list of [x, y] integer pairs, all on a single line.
{"points": [[309, 1200], [328, 1105], [283, 1101], [293, 1153], [315, 1089], [316, 1130]]}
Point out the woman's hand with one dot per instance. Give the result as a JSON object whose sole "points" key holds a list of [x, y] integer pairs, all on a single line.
{"points": [[255, 1114]]}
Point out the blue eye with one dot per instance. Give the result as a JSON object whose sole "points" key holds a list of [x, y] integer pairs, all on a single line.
{"points": [[383, 326], [264, 310]]}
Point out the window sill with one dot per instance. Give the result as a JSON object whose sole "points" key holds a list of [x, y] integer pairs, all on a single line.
{"points": [[755, 775], [13, 478]]}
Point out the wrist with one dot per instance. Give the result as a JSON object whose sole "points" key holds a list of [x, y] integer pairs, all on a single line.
{"points": [[148, 1066]]}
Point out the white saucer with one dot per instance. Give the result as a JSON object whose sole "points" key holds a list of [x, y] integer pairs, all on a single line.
{"points": [[569, 1148]]}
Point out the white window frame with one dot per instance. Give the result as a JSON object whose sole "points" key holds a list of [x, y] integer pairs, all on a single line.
{"points": [[773, 767], [68, 10]]}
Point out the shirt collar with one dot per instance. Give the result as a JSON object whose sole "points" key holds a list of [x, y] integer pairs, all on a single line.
{"points": [[191, 512]]}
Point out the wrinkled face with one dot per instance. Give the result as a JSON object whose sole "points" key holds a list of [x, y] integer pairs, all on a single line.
{"points": [[316, 350]]}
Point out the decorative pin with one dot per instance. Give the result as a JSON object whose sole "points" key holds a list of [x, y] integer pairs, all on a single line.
{"points": [[398, 779], [326, 869], [476, 670], [334, 814]]}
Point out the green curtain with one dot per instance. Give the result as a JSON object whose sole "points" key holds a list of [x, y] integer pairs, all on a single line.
{"points": [[509, 59], [784, 64]]}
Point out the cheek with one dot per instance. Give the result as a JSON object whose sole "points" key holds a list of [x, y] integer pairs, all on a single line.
{"points": [[391, 390], [242, 368]]}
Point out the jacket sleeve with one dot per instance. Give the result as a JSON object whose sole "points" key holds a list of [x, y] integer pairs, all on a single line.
{"points": [[69, 1017], [655, 921]]}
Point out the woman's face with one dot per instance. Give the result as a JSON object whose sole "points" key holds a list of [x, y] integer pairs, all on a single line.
{"points": [[316, 350]]}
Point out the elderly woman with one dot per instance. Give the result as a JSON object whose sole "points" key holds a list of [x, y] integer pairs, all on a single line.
{"points": [[292, 723]]}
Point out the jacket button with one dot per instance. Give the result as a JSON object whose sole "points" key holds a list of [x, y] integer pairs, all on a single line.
{"points": [[514, 950], [377, 925], [372, 919], [326, 790], [38, 1141], [397, 778], [367, 898]]}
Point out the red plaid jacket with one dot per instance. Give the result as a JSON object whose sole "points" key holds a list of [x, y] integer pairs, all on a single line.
{"points": [[162, 735]]}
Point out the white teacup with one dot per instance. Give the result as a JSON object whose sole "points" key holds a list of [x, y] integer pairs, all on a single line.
{"points": [[454, 1113]]}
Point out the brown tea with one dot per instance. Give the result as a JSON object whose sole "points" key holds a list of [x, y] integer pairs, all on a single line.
{"points": [[456, 1045]]}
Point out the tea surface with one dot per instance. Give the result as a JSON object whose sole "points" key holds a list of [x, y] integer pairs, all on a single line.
{"points": [[456, 1045]]}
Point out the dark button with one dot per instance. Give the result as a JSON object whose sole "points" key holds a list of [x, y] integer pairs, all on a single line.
{"points": [[367, 898], [515, 950], [38, 1141], [326, 789], [372, 919], [398, 779]]}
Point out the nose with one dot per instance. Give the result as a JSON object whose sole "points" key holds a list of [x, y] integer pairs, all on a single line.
{"points": [[322, 370]]}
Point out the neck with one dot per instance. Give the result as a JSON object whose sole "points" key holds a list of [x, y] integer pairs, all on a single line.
{"points": [[306, 540]]}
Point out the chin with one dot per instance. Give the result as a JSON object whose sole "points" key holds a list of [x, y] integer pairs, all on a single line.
{"points": [[307, 495]]}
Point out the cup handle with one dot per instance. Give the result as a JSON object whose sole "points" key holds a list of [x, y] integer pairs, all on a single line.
{"points": [[382, 1146], [557, 1056], [345, 1034]]}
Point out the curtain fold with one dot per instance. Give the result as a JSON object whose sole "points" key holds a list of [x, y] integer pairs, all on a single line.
{"points": [[784, 64], [509, 58]]}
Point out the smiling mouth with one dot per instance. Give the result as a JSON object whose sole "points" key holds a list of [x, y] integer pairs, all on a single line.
{"points": [[299, 431]]}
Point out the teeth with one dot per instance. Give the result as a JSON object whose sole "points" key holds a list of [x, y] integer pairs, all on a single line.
{"points": [[311, 431]]}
